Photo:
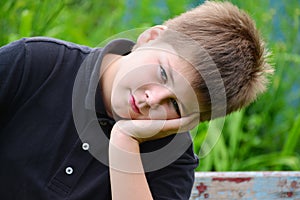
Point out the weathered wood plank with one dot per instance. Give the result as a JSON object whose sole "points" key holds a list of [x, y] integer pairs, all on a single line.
{"points": [[246, 185]]}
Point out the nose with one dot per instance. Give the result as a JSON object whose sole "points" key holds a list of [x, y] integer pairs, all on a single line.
{"points": [[157, 96]]}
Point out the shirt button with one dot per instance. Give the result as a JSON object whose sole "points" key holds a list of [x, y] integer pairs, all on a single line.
{"points": [[103, 123], [85, 146], [69, 170]]}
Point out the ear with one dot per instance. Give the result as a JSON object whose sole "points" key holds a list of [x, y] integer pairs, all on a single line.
{"points": [[150, 34]]}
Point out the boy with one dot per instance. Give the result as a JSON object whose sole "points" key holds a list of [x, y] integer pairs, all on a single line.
{"points": [[53, 91]]}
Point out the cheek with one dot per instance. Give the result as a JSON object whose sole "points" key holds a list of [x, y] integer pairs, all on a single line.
{"points": [[137, 76], [158, 113], [162, 112]]}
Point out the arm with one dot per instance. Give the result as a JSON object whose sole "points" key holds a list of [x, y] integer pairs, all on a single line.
{"points": [[127, 185], [128, 180], [12, 60]]}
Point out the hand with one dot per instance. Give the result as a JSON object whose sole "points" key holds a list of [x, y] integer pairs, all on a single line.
{"points": [[144, 130]]}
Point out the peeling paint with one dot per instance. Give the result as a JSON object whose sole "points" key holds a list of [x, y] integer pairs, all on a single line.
{"points": [[201, 188], [282, 183], [286, 194], [206, 195], [236, 180], [246, 185], [294, 185], [290, 194]]}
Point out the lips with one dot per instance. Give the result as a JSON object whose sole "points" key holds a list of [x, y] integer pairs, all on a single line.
{"points": [[133, 105]]}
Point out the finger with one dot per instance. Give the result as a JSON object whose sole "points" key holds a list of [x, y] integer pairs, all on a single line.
{"points": [[182, 124], [154, 129], [163, 128], [140, 128]]}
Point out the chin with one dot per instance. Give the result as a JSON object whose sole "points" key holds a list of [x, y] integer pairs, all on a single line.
{"points": [[125, 116], [139, 117], [135, 117], [129, 116]]}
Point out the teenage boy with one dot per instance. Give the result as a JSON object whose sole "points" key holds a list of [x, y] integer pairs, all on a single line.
{"points": [[60, 102]]}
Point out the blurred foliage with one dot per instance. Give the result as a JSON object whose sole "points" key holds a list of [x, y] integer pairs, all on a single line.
{"points": [[264, 136]]}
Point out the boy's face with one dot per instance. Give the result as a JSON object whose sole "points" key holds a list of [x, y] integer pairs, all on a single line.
{"points": [[150, 85]]}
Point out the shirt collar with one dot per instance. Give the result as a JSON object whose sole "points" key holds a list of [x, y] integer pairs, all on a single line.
{"points": [[94, 98]]}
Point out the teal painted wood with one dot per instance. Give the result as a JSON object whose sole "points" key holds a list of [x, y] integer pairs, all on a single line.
{"points": [[246, 185]]}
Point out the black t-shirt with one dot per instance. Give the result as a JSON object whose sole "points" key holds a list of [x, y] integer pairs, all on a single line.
{"points": [[44, 154]]}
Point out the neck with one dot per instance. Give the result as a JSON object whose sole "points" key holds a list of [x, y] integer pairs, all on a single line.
{"points": [[109, 68]]}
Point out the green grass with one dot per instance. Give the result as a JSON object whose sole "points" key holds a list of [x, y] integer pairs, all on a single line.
{"points": [[264, 136]]}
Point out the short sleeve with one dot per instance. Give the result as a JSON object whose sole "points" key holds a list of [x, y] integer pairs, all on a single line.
{"points": [[12, 61], [175, 181]]}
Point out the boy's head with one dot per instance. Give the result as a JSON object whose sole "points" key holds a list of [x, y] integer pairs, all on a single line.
{"points": [[229, 38]]}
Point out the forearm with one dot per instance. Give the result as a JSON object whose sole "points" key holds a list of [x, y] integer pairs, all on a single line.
{"points": [[128, 180]]}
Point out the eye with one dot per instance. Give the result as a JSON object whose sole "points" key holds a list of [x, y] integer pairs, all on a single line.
{"points": [[163, 74], [176, 107]]}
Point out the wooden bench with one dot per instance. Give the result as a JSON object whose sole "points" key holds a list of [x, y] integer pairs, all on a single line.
{"points": [[246, 185]]}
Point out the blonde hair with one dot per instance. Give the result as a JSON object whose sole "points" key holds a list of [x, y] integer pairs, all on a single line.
{"points": [[230, 38]]}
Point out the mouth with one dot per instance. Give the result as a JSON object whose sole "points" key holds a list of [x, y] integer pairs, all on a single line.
{"points": [[133, 105]]}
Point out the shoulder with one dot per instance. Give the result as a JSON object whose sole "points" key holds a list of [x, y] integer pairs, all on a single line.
{"points": [[47, 41], [42, 42], [42, 48], [48, 54]]}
